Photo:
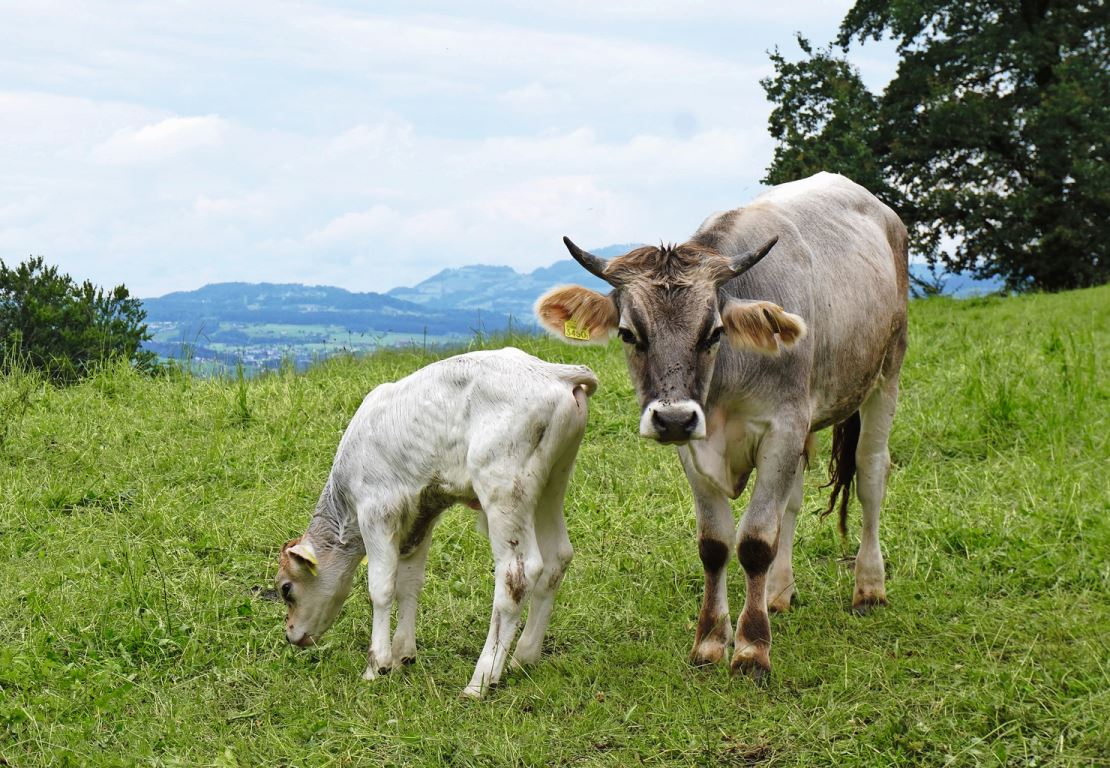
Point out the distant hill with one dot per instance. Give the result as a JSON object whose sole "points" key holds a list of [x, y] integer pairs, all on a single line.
{"points": [[265, 323], [502, 290], [311, 305]]}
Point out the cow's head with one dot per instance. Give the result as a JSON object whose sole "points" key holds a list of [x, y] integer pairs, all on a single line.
{"points": [[313, 587], [666, 307]]}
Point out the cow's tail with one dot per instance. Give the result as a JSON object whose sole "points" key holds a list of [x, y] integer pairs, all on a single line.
{"points": [[842, 468]]}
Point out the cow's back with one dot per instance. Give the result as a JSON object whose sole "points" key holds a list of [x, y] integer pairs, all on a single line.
{"points": [[841, 263]]}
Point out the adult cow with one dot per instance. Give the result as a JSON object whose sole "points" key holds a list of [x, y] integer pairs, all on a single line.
{"points": [[839, 265]]}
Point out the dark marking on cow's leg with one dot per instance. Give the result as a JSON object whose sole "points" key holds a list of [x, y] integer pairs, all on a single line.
{"points": [[711, 637], [755, 555], [753, 630]]}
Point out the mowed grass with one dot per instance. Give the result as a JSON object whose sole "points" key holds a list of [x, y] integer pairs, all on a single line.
{"points": [[140, 522]]}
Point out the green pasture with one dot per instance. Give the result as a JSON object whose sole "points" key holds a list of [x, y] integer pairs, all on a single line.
{"points": [[140, 522]]}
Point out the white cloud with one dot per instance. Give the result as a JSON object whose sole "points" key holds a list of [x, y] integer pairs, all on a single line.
{"points": [[162, 140], [369, 148]]}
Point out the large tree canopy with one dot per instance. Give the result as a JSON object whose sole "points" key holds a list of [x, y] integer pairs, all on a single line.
{"points": [[991, 141], [63, 329]]}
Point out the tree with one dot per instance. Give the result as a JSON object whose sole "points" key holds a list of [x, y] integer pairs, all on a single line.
{"points": [[991, 140], [63, 328]]}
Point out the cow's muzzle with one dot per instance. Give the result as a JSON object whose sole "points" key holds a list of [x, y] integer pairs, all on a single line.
{"points": [[673, 423]]}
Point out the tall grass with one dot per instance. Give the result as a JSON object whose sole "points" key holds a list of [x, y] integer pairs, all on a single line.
{"points": [[140, 521]]}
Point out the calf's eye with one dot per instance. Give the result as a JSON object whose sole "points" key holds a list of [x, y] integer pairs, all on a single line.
{"points": [[287, 592]]}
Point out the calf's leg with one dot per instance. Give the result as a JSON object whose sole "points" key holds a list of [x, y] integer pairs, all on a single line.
{"points": [[381, 577], [517, 566], [410, 580], [556, 552]]}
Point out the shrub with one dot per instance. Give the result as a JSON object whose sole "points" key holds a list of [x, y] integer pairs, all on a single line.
{"points": [[52, 324]]}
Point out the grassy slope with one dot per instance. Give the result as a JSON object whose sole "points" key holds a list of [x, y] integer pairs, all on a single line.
{"points": [[137, 516]]}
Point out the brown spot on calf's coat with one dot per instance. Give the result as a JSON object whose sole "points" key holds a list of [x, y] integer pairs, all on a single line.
{"points": [[538, 433], [431, 502], [515, 580]]}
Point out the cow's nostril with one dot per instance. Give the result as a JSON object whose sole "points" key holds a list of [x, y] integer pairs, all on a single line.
{"points": [[658, 421], [691, 423]]}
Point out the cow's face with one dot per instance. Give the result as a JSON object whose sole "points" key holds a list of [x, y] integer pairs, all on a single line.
{"points": [[667, 310], [313, 588]]}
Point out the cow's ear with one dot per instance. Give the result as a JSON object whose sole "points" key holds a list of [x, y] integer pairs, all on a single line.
{"points": [[759, 326], [577, 314]]}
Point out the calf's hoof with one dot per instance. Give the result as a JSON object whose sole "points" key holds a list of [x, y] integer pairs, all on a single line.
{"points": [[374, 670], [407, 661]]}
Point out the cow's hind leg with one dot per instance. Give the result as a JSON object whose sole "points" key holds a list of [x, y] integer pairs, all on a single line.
{"points": [[556, 551], [780, 579], [872, 468], [517, 566], [716, 533]]}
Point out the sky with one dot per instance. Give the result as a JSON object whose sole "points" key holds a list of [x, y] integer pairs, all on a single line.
{"points": [[369, 145]]}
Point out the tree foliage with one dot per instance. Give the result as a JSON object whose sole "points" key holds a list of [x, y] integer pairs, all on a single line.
{"points": [[64, 329], [991, 141]]}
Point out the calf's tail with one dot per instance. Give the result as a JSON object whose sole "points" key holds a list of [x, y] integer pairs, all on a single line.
{"points": [[842, 468], [579, 376]]}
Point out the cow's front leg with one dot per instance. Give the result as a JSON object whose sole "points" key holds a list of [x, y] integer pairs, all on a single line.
{"points": [[716, 528], [780, 579], [776, 466]]}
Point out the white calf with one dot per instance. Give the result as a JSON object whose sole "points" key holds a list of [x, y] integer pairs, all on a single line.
{"points": [[498, 431]]}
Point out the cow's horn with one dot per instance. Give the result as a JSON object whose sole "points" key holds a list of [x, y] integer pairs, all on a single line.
{"points": [[595, 265], [746, 261]]}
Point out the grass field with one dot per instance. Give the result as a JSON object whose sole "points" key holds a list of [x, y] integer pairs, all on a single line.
{"points": [[140, 522]]}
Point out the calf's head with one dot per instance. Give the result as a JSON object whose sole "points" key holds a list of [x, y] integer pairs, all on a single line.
{"points": [[667, 309], [313, 587]]}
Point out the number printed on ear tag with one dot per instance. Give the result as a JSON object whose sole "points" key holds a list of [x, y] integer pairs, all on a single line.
{"points": [[572, 331]]}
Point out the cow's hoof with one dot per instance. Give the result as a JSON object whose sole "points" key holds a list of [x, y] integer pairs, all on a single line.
{"points": [[408, 661], [758, 671], [862, 605], [782, 602], [707, 653]]}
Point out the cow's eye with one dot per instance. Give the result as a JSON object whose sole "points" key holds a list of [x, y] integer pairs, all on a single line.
{"points": [[627, 336], [713, 338], [287, 592]]}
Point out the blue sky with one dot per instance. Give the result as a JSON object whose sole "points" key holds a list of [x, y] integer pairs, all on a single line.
{"points": [[369, 145]]}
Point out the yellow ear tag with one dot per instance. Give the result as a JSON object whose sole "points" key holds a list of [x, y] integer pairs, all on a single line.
{"points": [[572, 331], [364, 560]]}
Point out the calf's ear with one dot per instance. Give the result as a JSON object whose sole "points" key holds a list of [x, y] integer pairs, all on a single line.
{"points": [[576, 314], [761, 326], [303, 553]]}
